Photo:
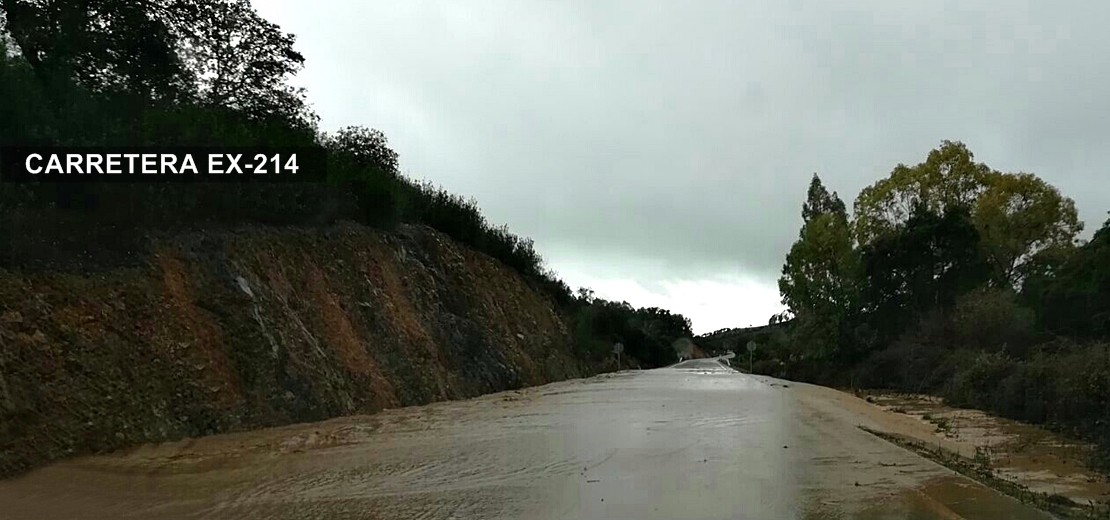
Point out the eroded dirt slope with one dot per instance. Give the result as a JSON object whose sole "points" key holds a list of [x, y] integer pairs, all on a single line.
{"points": [[229, 330]]}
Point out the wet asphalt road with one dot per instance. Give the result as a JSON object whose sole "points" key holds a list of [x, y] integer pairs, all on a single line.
{"points": [[696, 440]]}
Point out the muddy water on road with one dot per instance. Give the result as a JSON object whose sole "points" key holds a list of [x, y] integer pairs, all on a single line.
{"points": [[1043, 461], [696, 441], [949, 498]]}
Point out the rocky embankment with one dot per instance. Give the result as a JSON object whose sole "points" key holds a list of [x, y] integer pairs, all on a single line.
{"points": [[238, 329]]}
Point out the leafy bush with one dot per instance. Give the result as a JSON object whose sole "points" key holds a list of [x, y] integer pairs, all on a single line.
{"points": [[978, 379], [991, 319]]}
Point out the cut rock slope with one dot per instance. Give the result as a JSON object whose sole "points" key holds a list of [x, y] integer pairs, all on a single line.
{"points": [[225, 330]]}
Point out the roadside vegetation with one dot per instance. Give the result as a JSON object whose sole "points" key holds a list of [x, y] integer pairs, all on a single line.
{"points": [[215, 73], [953, 279]]}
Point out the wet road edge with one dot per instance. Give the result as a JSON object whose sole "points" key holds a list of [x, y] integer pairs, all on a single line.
{"points": [[1056, 505]]}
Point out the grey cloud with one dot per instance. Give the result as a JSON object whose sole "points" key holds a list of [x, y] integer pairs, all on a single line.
{"points": [[678, 137]]}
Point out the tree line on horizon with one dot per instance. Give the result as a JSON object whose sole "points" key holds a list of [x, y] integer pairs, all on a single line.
{"points": [[216, 73], [958, 280]]}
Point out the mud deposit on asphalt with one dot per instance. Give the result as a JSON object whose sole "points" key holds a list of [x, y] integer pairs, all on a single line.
{"points": [[693, 441], [1043, 461], [948, 497]]}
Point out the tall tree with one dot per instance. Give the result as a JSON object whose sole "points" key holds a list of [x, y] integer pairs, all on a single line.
{"points": [[242, 61], [818, 281], [927, 263], [949, 176], [819, 265], [219, 52], [104, 45], [1019, 217], [820, 202]]}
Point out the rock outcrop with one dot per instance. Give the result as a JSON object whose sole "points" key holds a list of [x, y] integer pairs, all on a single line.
{"points": [[222, 330]]}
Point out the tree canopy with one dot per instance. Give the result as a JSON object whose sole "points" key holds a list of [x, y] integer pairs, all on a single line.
{"points": [[217, 52], [1017, 215], [818, 282], [948, 176], [820, 202], [953, 278]]}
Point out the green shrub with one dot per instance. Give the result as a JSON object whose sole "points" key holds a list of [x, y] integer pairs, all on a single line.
{"points": [[991, 319]]}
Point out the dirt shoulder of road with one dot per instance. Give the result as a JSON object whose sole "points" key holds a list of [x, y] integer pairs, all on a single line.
{"points": [[1016, 456]]}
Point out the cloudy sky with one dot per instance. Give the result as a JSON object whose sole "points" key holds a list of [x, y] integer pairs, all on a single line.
{"points": [[659, 152]]}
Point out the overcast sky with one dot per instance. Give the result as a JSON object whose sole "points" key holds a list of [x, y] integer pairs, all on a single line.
{"points": [[659, 152]]}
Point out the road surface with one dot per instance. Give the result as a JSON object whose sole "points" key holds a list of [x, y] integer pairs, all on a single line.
{"points": [[695, 440]]}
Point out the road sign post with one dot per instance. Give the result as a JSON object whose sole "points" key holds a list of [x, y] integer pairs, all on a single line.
{"points": [[751, 350], [617, 349]]}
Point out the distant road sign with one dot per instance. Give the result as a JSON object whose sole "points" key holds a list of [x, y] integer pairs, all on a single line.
{"points": [[751, 346], [618, 348]]}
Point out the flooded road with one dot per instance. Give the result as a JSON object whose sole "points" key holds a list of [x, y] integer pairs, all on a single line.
{"points": [[696, 440]]}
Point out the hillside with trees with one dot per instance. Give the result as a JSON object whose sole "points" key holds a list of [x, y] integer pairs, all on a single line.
{"points": [[953, 279], [197, 73], [297, 315]]}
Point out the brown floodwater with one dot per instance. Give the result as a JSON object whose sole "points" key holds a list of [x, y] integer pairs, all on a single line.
{"points": [[696, 440], [1041, 460]]}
